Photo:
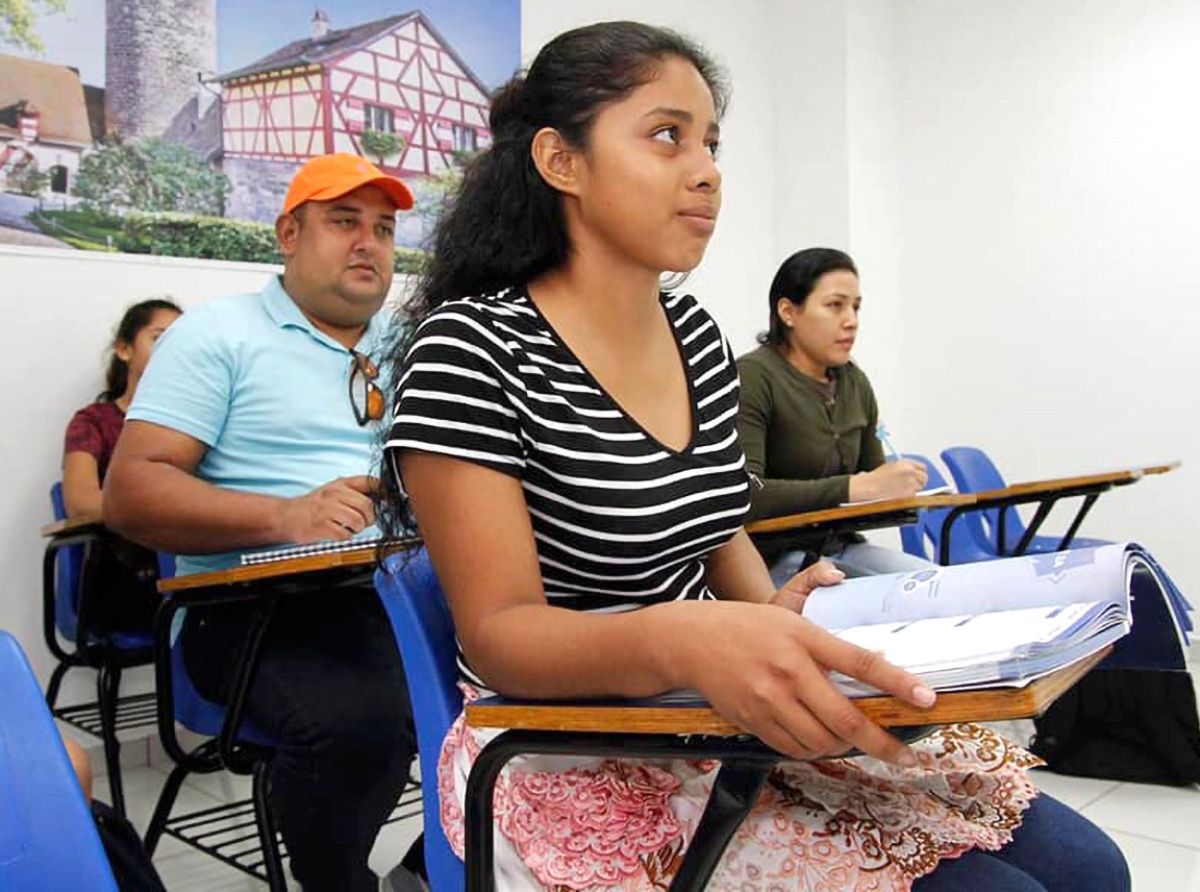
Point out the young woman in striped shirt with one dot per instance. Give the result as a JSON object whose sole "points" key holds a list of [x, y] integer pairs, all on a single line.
{"points": [[565, 434]]}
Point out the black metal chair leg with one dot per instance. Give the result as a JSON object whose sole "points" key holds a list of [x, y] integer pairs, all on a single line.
{"points": [[264, 817], [108, 684], [414, 859], [1088, 502], [162, 811], [56, 679], [745, 766], [735, 790], [1039, 517]]}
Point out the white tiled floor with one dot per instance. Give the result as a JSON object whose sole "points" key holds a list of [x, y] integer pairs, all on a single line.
{"points": [[1158, 828], [184, 869]]}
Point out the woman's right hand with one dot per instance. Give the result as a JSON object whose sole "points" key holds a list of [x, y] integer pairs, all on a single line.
{"points": [[897, 479], [766, 670]]}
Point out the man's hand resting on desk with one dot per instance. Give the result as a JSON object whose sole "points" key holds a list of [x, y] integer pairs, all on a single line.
{"points": [[338, 510], [897, 479]]}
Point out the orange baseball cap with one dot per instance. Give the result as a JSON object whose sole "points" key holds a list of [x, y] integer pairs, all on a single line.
{"points": [[327, 177]]}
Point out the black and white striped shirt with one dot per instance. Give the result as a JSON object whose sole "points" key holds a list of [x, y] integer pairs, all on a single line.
{"points": [[620, 520]]}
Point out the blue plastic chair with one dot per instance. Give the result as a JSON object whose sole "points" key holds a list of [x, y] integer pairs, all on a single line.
{"points": [[64, 578], [968, 539], [974, 471], [47, 837], [68, 580], [413, 598], [68, 569], [191, 709], [244, 749]]}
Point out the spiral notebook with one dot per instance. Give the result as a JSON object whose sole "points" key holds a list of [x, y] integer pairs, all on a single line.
{"points": [[294, 551]]}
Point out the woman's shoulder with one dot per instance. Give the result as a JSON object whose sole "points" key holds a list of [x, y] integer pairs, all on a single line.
{"points": [[99, 412], [761, 362], [508, 305], [94, 426], [696, 329], [480, 319], [762, 355], [686, 311]]}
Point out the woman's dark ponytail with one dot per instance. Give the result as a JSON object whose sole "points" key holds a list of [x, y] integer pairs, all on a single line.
{"points": [[505, 225]]}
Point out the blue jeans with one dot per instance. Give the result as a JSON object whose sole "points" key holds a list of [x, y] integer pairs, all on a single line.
{"points": [[330, 687], [856, 559], [1054, 850]]}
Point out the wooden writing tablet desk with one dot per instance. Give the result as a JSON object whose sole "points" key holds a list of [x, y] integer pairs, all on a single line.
{"points": [[72, 526], [651, 717], [810, 529], [1046, 493], [358, 562]]}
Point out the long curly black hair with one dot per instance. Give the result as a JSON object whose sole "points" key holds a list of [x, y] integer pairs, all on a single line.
{"points": [[505, 225]]}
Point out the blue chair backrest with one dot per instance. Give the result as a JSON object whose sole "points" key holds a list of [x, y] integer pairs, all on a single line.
{"points": [[424, 629], [201, 715], [974, 471], [47, 837], [968, 540], [192, 710], [68, 574]]}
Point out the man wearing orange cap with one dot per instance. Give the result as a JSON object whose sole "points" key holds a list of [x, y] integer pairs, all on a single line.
{"points": [[242, 436]]}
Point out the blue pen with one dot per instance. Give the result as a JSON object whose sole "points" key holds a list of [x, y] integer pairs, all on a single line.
{"points": [[882, 433]]}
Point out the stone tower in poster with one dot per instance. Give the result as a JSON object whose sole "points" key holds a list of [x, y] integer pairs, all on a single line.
{"points": [[155, 53]]}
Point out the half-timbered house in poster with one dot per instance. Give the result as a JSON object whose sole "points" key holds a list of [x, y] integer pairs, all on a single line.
{"points": [[396, 76]]}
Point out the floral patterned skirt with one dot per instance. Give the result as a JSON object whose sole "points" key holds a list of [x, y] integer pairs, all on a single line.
{"points": [[577, 823]]}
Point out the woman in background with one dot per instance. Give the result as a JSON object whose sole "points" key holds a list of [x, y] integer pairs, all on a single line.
{"points": [[93, 431], [128, 573], [808, 416]]}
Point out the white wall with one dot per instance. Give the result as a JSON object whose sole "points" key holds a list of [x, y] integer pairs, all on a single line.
{"points": [[1049, 207], [872, 132]]}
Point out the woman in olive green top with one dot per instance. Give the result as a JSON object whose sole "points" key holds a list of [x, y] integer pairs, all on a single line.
{"points": [[808, 416]]}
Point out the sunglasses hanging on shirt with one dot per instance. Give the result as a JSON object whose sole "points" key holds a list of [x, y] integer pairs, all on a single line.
{"points": [[365, 396]]}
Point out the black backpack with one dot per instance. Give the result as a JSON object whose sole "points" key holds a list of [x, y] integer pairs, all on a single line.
{"points": [[1124, 724], [131, 866]]}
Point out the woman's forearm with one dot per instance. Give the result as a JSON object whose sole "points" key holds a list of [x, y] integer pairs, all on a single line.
{"points": [[542, 652], [736, 572]]}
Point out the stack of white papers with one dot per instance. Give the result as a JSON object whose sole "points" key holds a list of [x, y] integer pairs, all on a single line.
{"points": [[994, 623]]}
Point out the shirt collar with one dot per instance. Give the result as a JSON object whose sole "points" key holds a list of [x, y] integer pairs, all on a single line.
{"points": [[285, 313]]}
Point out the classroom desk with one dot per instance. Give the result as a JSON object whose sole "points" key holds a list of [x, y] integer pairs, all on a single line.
{"points": [[264, 584], [72, 526], [1046, 494], [110, 652], [292, 572], [810, 529], [693, 730], [88, 533]]}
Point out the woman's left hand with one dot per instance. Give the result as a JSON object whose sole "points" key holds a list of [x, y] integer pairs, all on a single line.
{"points": [[797, 589]]}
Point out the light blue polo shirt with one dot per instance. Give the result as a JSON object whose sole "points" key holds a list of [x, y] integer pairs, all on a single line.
{"points": [[266, 391]]}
